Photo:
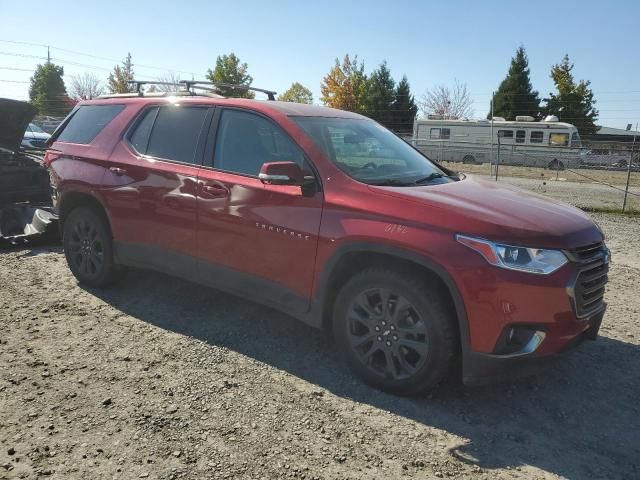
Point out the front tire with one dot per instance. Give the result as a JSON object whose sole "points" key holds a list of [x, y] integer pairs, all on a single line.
{"points": [[88, 247], [396, 331]]}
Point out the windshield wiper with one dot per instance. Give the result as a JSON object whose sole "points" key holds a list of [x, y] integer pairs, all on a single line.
{"points": [[433, 176], [390, 182]]}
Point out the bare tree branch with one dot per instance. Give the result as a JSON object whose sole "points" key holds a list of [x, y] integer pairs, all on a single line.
{"points": [[169, 77], [450, 103], [85, 86]]}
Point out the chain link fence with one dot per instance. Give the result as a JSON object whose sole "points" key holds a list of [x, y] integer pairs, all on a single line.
{"points": [[603, 177]]}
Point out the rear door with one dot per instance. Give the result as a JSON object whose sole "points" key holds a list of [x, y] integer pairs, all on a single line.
{"points": [[150, 187], [255, 239]]}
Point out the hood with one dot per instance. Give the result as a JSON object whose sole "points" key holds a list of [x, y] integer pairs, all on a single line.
{"points": [[500, 212], [14, 119]]}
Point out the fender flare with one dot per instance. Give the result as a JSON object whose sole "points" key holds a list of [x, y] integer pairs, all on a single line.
{"points": [[403, 254]]}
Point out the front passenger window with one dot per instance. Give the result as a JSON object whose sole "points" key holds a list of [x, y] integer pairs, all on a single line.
{"points": [[245, 141]]}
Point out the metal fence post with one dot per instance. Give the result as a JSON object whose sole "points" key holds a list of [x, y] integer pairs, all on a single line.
{"points": [[493, 93], [626, 189], [498, 159]]}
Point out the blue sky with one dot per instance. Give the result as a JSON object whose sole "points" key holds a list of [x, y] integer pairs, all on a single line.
{"points": [[285, 41]]}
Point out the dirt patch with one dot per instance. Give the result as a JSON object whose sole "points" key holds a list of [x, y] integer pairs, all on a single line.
{"points": [[159, 378]]}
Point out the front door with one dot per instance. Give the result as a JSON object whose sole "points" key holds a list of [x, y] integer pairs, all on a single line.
{"points": [[255, 239]]}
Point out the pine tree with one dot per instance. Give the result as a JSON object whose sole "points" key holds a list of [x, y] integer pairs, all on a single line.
{"points": [[573, 102], [229, 70], [516, 96], [297, 93], [47, 91], [345, 86], [381, 94], [404, 108], [119, 78]]}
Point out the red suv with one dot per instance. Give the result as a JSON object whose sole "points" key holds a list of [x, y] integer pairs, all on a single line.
{"points": [[329, 217]]}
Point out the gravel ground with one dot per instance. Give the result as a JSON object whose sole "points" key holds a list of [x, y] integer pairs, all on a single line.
{"points": [[594, 195], [159, 378]]}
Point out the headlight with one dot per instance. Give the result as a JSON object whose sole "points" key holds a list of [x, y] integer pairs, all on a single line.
{"points": [[523, 259]]}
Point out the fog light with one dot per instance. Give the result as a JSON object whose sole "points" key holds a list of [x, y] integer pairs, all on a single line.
{"points": [[519, 340]]}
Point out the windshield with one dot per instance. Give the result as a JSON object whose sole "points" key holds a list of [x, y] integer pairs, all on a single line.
{"points": [[575, 140], [370, 153], [35, 128]]}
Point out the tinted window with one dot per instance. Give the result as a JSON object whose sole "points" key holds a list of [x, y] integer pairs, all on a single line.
{"points": [[246, 141], [140, 137], [176, 132], [445, 133], [520, 136], [536, 137], [87, 122]]}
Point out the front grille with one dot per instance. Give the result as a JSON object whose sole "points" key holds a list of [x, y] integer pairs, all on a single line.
{"points": [[589, 287]]}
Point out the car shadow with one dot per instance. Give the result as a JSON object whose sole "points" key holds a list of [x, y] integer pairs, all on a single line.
{"points": [[578, 420]]}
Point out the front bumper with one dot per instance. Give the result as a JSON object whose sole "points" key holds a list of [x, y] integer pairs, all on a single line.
{"points": [[485, 368]]}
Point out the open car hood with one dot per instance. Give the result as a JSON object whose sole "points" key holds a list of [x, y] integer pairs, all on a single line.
{"points": [[14, 119]]}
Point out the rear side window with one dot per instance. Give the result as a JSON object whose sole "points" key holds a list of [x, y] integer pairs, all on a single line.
{"points": [[171, 133], [140, 137], [440, 133], [520, 136], [88, 122]]}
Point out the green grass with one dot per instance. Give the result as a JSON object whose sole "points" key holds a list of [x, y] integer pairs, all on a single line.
{"points": [[611, 210]]}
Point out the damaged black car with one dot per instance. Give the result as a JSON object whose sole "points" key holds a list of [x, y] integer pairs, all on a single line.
{"points": [[25, 189]]}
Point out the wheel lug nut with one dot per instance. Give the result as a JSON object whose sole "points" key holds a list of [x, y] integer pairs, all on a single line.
{"points": [[393, 327], [395, 337], [388, 343], [383, 322], [379, 339], [377, 328]]}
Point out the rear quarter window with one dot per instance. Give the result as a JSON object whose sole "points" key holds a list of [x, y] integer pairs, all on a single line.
{"points": [[87, 122]]}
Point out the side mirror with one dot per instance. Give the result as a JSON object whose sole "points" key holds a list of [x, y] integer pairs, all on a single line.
{"points": [[281, 173]]}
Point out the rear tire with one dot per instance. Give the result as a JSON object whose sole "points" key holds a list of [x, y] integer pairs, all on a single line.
{"points": [[395, 330], [88, 247]]}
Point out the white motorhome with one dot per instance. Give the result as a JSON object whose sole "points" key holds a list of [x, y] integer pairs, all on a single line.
{"points": [[549, 143]]}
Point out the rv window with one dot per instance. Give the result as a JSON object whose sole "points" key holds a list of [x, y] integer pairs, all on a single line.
{"points": [[445, 133], [520, 136], [559, 139], [435, 133], [422, 131], [505, 133], [536, 137]]}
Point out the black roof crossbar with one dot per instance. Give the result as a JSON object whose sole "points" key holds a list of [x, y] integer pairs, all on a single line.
{"points": [[190, 84]]}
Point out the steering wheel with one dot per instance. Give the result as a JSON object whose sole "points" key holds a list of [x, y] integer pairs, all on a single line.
{"points": [[369, 165]]}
